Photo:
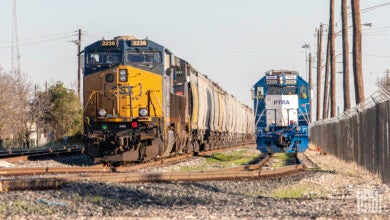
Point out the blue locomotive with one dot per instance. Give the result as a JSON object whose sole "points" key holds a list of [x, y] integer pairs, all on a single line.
{"points": [[282, 112]]}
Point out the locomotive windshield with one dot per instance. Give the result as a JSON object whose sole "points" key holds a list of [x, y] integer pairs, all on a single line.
{"points": [[288, 90], [143, 57], [100, 60]]}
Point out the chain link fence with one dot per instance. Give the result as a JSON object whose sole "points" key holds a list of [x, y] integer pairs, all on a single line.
{"points": [[361, 134]]}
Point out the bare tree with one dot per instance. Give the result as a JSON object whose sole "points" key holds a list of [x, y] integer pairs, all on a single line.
{"points": [[5, 105], [384, 82], [20, 117]]}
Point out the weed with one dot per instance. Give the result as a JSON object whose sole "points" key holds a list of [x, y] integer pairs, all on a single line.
{"points": [[288, 193], [307, 190], [3, 209], [224, 160], [96, 199], [283, 159], [77, 198]]}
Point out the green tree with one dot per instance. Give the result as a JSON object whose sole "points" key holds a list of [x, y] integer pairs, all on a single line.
{"points": [[58, 110]]}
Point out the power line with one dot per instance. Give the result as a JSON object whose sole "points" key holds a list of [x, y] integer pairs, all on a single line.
{"points": [[51, 65], [372, 8], [42, 41], [41, 37], [373, 55]]}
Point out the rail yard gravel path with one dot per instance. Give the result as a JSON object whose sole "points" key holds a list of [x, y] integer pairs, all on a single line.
{"points": [[331, 192]]}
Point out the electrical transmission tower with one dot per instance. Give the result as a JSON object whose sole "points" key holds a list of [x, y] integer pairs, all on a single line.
{"points": [[15, 43]]}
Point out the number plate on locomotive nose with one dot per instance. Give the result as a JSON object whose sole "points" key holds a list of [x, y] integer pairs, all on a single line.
{"points": [[108, 43], [139, 43]]}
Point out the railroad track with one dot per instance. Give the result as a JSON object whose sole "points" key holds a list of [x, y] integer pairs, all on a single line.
{"points": [[28, 154], [100, 168], [307, 162], [54, 179]]}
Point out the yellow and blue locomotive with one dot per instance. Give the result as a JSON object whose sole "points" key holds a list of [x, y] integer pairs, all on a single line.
{"points": [[282, 111], [143, 102]]}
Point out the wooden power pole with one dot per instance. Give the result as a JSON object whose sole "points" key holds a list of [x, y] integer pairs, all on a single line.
{"points": [[332, 61], [319, 64], [357, 52], [326, 83], [78, 63], [310, 84], [346, 89]]}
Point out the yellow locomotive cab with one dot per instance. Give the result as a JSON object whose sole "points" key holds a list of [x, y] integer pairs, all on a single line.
{"points": [[123, 93]]}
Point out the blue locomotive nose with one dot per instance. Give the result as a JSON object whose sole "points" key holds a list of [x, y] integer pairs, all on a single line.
{"points": [[281, 100]]}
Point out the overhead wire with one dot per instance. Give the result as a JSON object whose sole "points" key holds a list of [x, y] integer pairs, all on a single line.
{"points": [[51, 65], [372, 8], [42, 39]]}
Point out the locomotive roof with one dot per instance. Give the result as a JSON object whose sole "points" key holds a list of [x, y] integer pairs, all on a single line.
{"points": [[279, 72]]}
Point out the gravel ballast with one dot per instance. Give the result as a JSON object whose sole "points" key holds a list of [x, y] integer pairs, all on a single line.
{"points": [[334, 191]]}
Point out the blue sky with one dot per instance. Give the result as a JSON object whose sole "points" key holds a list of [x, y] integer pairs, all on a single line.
{"points": [[233, 42]]}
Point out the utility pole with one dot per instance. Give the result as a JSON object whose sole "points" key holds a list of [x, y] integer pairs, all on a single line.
{"points": [[36, 105], [346, 89], [15, 54], [357, 52], [310, 84], [332, 61], [326, 83], [319, 63], [79, 63]]}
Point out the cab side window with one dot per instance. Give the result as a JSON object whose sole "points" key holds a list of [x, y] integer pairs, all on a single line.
{"points": [[303, 92], [260, 92]]}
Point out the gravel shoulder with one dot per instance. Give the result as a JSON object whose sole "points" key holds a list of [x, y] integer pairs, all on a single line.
{"points": [[330, 192]]}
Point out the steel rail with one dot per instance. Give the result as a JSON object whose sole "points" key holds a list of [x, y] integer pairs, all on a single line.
{"points": [[99, 168], [53, 182], [23, 155], [229, 174]]}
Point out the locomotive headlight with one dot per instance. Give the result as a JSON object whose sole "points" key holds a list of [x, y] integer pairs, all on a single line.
{"points": [[143, 112], [280, 80], [298, 128], [102, 112], [123, 75], [266, 129]]}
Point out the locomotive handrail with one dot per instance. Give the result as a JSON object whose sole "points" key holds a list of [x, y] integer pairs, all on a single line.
{"points": [[89, 99], [305, 116], [261, 115], [257, 105]]}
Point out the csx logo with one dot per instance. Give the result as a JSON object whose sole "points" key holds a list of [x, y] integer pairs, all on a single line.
{"points": [[281, 102]]}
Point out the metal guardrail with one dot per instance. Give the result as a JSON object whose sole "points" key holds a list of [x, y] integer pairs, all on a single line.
{"points": [[360, 135]]}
